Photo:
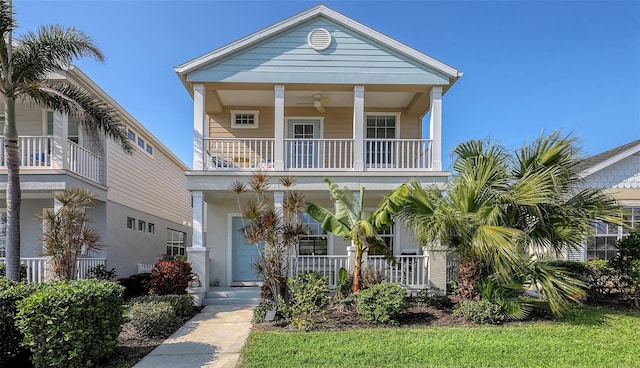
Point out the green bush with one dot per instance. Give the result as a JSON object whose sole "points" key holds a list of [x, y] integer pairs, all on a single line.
{"points": [[433, 297], [152, 319], [71, 324], [181, 304], [170, 276], [602, 279], [100, 272], [480, 312], [23, 271], [10, 336], [308, 294], [260, 312], [382, 303]]}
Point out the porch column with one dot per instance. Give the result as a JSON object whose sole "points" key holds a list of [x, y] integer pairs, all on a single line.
{"points": [[60, 146], [198, 254], [198, 126], [358, 128], [278, 149], [436, 266], [435, 128]]}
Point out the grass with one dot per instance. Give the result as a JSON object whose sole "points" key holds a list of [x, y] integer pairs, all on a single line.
{"points": [[588, 337]]}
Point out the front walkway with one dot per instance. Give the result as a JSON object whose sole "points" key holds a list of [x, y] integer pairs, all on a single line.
{"points": [[211, 339]]}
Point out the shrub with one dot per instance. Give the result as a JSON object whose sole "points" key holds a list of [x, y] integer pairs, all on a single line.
{"points": [[433, 297], [100, 272], [627, 264], [152, 319], [370, 277], [480, 312], [382, 303], [23, 271], [260, 312], [308, 294], [71, 324], [10, 336], [135, 285], [602, 279], [181, 304], [170, 276]]}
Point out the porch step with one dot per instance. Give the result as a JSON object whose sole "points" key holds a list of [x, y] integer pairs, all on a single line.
{"points": [[232, 296]]}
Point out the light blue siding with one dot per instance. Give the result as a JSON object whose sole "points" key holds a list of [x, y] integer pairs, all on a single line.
{"points": [[286, 58]]}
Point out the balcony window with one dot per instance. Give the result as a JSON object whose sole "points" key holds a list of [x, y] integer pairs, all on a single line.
{"points": [[242, 119]]}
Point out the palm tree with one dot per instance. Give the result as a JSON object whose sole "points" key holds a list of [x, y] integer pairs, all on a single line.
{"points": [[25, 64], [350, 221], [500, 208]]}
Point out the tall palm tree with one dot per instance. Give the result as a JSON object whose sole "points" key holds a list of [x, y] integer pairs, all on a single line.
{"points": [[25, 64], [500, 208], [351, 221]]}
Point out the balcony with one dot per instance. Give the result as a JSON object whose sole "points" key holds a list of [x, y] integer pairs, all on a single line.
{"points": [[317, 154], [36, 152]]}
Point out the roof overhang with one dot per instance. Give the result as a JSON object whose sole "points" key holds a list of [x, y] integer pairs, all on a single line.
{"points": [[610, 161]]}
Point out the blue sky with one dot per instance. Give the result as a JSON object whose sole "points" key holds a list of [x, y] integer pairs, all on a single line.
{"points": [[528, 66]]}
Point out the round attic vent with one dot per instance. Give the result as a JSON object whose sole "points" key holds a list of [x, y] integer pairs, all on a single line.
{"points": [[319, 39]]}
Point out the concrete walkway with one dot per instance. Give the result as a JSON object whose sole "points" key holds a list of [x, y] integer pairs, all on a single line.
{"points": [[211, 339]]}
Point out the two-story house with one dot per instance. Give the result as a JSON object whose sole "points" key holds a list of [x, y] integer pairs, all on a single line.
{"points": [[316, 95], [143, 209]]}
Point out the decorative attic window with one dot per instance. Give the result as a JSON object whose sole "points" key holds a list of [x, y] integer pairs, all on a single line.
{"points": [[319, 39], [244, 119]]}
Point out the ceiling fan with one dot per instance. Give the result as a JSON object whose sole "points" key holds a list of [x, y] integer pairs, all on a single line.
{"points": [[317, 101]]}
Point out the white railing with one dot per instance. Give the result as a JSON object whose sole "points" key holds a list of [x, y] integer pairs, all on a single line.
{"points": [[397, 153], [239, 153], [328, 266], [37, 270], [33, 151], [83, 162], [408, 271], [145, 268], [319, 154]]}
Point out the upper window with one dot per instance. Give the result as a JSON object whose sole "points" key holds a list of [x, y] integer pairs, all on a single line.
{"points": [[131, 223], [244, 119], [176, 242], [381, 126], [141, 142], [602, 244], [142, 225], [131, 135]]}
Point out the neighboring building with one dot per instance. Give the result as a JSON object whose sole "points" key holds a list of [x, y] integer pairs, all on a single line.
{"points": [[143, 209], [316, 95], [618, 172]]}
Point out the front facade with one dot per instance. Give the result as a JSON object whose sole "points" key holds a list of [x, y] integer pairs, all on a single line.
{"points": [[617, 171], [143, 209], [316, 95]]}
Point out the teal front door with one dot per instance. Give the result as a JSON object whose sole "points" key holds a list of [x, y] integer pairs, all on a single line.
{"points": [[243, 255]]}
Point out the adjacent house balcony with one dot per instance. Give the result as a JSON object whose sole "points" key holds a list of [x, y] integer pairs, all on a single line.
{"points": [[39, 152], [317, 154]]}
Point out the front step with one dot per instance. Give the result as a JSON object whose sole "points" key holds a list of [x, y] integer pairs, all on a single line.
{"points": [[232, 296]]}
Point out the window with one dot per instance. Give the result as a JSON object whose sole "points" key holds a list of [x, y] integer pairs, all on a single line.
{"points": [[74, 132], [175, 242], [315, 242], [142, 225], [387, 236], [152, 228], [244, 119], [140, 142], [602, 244], [49, 122], [3, 233], [131, 135], [131, 223], [149, 149], [380, 129]]}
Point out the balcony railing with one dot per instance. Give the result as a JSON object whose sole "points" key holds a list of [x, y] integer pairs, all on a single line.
{"points": [[317, 154], [36, 152], [37, 270]]}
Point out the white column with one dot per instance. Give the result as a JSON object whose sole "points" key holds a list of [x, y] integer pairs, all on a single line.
{"points": [[59, 156], [278, 148], [198, 220], [358, 128], [435, 128], [197, 253], [198, 126]]}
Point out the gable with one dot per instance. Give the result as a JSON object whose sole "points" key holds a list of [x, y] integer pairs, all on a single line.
{"points": [[624, 174], [286, 57]]}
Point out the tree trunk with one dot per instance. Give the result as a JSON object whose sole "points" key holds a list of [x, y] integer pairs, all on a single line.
{"points": [[469, 275], [357, 269], [13, 194]]}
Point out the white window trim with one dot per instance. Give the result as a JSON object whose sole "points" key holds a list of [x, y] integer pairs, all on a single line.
{"points": [[373, 113], [255, 113]]}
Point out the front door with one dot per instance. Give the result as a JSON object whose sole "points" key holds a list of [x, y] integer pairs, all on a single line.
{"points": [[244, 255], [302, 152], [380, 130]]}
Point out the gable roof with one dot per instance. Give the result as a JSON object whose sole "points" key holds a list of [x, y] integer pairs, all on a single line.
{"points": [[317, 11], [598, 162]]}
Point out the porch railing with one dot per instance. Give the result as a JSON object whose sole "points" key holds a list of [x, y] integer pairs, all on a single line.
{"points": [[34, 151], [37, 270], [317, 154], [83, 162], [409, 270]]}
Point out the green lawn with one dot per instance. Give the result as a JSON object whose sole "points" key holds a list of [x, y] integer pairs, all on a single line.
{"points": [[590, 337]]}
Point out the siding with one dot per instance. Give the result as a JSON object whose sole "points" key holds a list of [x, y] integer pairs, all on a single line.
{"points": [[624, 174], [29, 117], [351, 58], [154, 185]]}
